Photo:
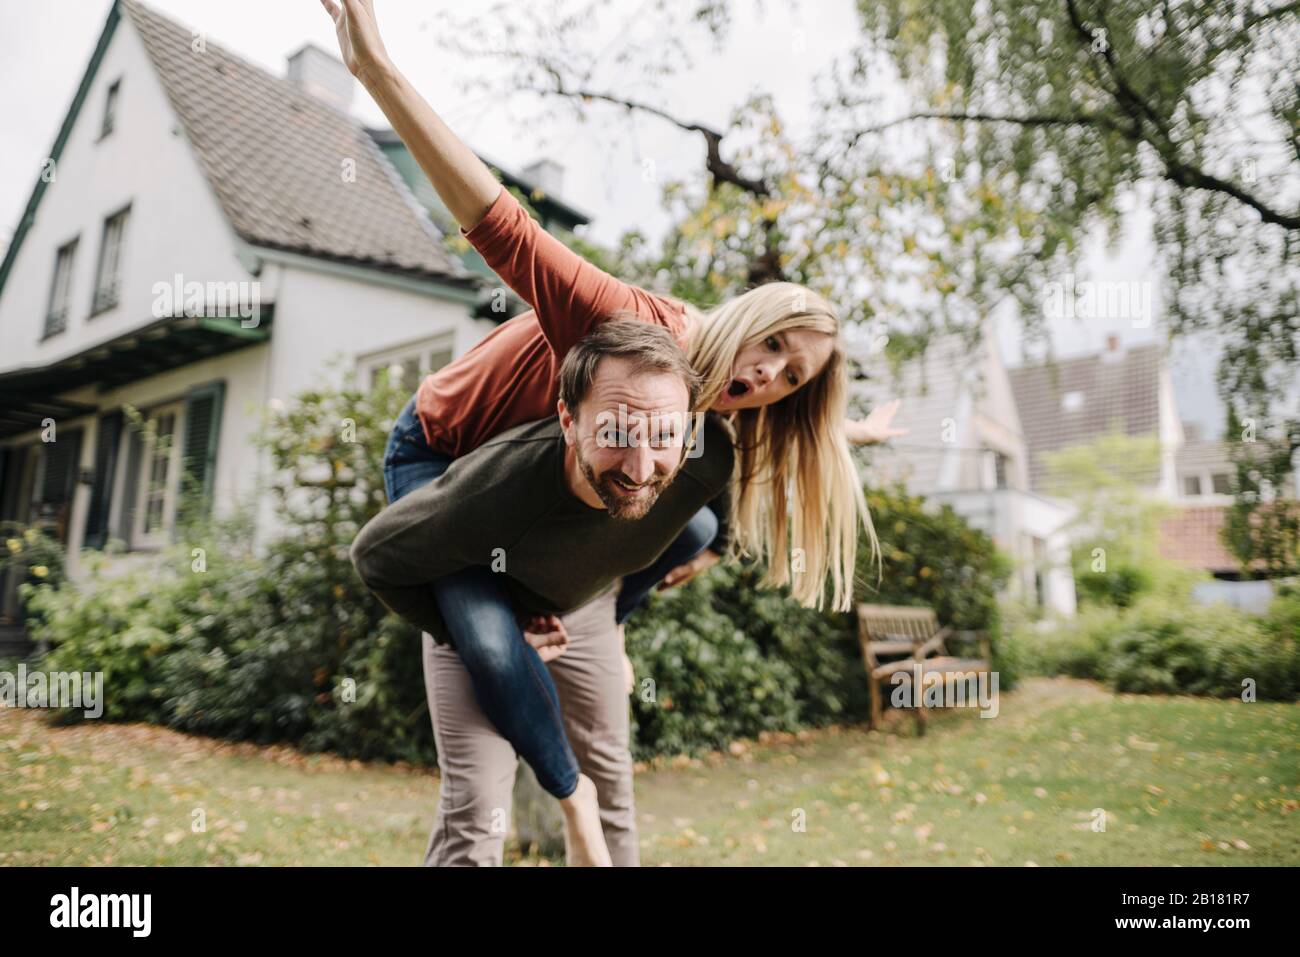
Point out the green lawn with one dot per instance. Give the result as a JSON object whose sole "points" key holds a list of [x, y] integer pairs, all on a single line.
{"points": [[1179, 781]]}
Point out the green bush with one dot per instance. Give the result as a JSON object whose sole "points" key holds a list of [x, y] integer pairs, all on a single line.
{"points": [[1076, 647], [1169, 646], [287, 645], [701, 682], [744, 660], [931, 556], [1118, 587], [33, 553], [124, 626]]}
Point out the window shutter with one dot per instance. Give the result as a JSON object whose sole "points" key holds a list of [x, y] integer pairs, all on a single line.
{"points": [[199, 453], [58, 481], [61, 458], [107, 441], [130, 485]]}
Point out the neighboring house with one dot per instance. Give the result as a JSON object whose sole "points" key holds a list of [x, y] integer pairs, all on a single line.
{"points": [[1192, 534], [1204, 470], [180, 166], [966, 447], [1076, 401]]}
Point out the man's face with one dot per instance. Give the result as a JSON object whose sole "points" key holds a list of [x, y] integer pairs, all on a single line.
{"points": [[628, 436]]}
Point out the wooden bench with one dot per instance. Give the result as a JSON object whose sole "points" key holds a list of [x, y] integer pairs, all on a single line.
{"points": [[894, 638]]}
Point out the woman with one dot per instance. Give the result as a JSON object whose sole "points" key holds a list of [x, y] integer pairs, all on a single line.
{"points": [[769, 360]]}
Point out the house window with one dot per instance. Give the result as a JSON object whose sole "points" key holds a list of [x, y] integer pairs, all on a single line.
{"points": [[1191, 485], [1000, 462], [156, 494], [408, 365], [108, 274], [110, 108], [56, 317], [1221, 483]]}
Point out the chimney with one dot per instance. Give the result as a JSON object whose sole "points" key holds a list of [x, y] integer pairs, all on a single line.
{"points": [[547, 175], [1114, 351], [321, 75]]}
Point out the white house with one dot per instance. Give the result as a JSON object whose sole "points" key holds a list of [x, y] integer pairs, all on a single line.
{"points": [[966, 447], [205, 238]]}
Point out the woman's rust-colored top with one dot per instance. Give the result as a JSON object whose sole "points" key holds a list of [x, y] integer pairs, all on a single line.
{"points": [[512, 376]]}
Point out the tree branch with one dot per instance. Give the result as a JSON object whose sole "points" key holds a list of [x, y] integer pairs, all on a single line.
{"points": [[1142, 113], [719, 169]]}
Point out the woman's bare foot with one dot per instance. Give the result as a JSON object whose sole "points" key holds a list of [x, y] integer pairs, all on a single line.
{"points": [[584, 841]]}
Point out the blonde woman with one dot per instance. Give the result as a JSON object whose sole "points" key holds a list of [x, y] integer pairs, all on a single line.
{"points": [[770, 363]]}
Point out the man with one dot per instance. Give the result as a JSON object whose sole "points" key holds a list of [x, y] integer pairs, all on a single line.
{"points": [[561, 509]]}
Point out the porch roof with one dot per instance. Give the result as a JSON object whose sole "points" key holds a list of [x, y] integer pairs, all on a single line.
{"points": [[29, 395]]}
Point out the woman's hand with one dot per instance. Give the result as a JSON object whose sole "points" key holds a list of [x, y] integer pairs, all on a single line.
{"points": [[463, 181], [546, 633], [875, 427], [684, 573], [354, 22]]}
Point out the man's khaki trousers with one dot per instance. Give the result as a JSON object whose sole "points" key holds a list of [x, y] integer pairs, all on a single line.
{"points": [[478, 765]]}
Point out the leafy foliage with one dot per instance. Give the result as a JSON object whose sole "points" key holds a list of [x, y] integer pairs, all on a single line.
{"points": [[932, 556], [1116, 529], [1167, 645], [1262, 527], [285, 644]]}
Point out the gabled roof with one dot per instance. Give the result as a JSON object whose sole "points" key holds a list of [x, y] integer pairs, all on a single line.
{"points": [[931, 387], [548, 205], [274, 157], [1109, 392]]}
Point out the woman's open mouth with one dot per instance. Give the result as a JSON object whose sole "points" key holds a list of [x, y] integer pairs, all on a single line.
{"points": [[737, 388]]}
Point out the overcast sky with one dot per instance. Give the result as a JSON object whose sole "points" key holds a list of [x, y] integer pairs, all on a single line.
{"points": [[44, 47]]}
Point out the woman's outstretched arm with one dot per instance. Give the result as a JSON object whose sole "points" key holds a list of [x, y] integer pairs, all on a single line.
{"points": [[464, 182]]}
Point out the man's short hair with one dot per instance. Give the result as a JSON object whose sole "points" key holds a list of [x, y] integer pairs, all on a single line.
{"points": [[646, 346]]}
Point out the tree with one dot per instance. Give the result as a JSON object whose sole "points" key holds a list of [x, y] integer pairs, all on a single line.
{"points": [[1031, 123], [1116, 528], [1262, 527]]}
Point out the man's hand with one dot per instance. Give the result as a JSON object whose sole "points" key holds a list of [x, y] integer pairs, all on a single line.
{"points": [[546, 633], [359, 43], [875, 427], [684, 573]]}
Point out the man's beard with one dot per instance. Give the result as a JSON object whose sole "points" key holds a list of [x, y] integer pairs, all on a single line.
{"points": [[619, 505]]}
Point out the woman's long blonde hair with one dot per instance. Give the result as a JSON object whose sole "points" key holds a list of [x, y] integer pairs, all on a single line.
{"points": [[797, 498]]}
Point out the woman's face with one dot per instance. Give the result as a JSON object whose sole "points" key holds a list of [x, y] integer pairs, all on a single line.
{"points": [[770, 369]]}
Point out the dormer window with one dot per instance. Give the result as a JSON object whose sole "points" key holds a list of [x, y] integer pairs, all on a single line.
{"points": [[110, 108], [1072, 401]]}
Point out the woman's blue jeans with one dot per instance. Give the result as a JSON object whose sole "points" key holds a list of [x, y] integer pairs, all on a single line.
{"points": [[510, 680]]}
